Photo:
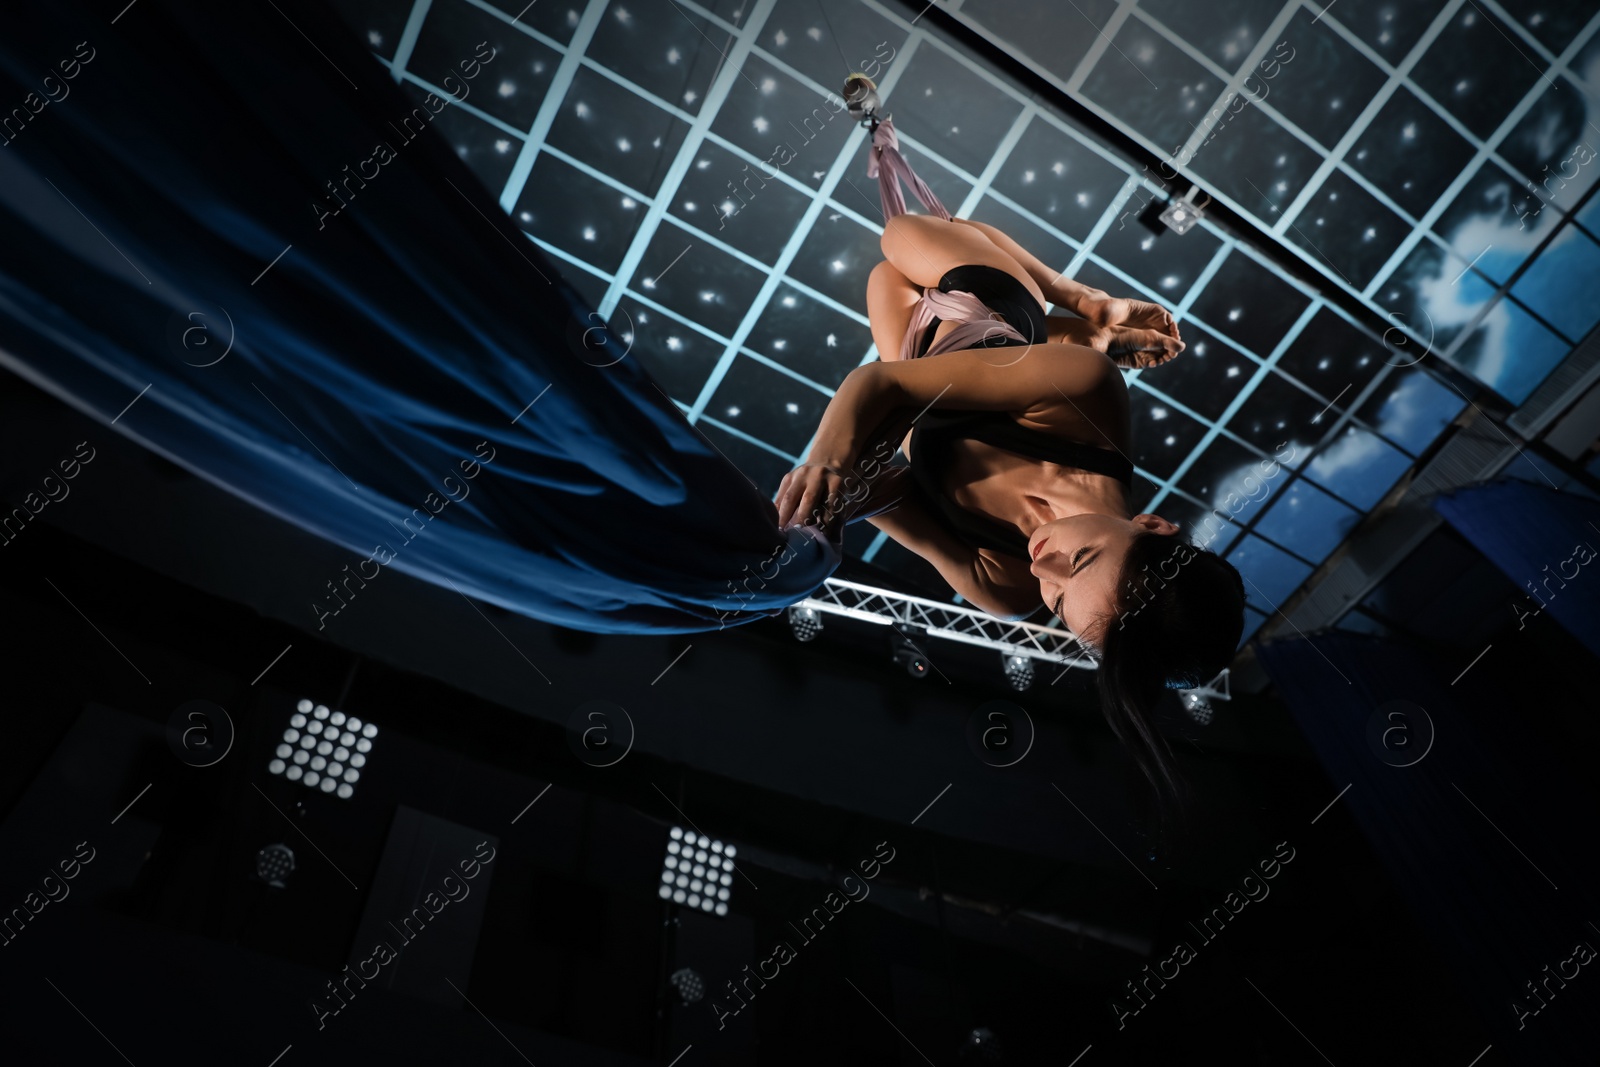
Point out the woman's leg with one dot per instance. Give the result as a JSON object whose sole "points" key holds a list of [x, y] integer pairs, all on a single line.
{"points": [[890, 299], [1134, 333], [1058, 288], [923, 248]]}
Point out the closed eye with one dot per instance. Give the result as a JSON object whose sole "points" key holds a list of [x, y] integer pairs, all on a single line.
{"points": [[1072, 568]]}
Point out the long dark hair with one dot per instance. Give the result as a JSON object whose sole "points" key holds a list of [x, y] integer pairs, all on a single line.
{"points": [[1178, 619]]}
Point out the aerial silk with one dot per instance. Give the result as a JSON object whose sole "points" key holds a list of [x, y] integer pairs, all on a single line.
{"points": [[226, 233], [975, 323]]}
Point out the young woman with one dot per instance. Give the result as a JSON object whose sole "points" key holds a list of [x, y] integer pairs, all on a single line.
{"points": [[1018, 485]]}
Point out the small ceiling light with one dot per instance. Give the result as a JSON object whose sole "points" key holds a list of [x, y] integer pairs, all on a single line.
{"points": [[982, 1046], [1181, 215], [908, 653]]}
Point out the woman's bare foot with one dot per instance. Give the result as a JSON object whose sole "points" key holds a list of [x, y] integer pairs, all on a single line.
{"points": [[1102, 309], [1127, 346], [1139, 348]]}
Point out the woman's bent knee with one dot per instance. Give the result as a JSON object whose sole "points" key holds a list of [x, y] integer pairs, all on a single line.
{"points": [[907, 228], [884, 275]]}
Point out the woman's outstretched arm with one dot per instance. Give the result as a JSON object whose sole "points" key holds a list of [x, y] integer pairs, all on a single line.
{"points": [[1077, 386], [859, 423]]}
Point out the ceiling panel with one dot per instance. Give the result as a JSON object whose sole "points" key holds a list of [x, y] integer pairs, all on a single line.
{"points": [[687, 168]]}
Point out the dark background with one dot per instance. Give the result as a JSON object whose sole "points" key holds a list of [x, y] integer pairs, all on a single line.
{"points": [[1021, 900]]}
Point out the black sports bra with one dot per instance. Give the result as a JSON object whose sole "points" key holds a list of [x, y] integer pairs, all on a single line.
{"points": [[930, 442]]}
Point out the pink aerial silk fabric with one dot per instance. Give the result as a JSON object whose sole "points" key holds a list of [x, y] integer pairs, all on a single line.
{"points": [[976, 321]]}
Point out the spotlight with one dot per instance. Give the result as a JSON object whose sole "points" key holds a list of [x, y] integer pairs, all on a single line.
{"points": [[698, 872], [273, 864], [982, 1047], [1019, 671], [690, 986], [1198, 707], [908, 652], [1181, 215], [323, 749], [1199, 702], [806, 622]]}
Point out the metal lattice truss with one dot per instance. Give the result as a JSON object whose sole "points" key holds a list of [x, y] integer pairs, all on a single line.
{"points": [[950, 622]]}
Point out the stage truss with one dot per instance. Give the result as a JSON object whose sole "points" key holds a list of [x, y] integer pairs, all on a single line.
{"points": [[950, 622]]}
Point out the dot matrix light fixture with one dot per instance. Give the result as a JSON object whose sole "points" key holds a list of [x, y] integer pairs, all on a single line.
{"points": [[274, 864], [1200, 701], [689, 985], [698, 872], [323, 749], [1018, 670], [806, 622], [1198, 707]]}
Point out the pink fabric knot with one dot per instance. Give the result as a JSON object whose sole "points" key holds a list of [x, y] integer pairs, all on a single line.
{"points": [[975, 323]]}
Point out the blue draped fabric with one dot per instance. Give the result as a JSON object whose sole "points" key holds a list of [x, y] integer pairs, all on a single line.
{"points": [[201, 175], [1547, 542]]}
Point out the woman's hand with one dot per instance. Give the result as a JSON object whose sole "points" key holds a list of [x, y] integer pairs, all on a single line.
{"points": [[805, 494]]}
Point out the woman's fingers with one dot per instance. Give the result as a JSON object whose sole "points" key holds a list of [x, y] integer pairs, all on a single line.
{"points": [[798, 494], [807, 504], [791, 500], [786, 498], [831, 502], [822, 498], [805, 514], [803, 493]]}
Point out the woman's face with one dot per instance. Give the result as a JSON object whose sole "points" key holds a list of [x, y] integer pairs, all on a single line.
{"points": [[1077, 561]]}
